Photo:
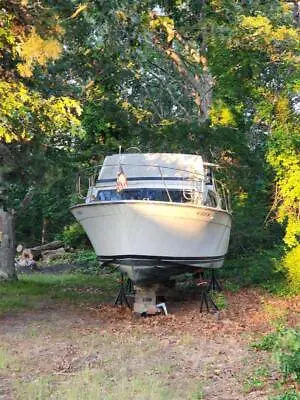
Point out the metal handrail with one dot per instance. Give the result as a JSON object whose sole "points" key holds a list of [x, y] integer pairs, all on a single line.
{"points": [[222, 192], [150, 166], [162, 177]]}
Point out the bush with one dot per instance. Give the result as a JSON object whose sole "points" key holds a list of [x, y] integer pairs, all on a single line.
{"points": [[268, 342], [87, 262], [261, 268], [285, 345], [292, 263], [287, 351], [74, 236]]}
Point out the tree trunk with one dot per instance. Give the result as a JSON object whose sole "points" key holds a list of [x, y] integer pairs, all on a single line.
{"points": [[37, 251], [44, 230], [7, 245]]}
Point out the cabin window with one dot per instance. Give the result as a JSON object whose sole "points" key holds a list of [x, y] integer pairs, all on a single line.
{"points": [[141, 194]]}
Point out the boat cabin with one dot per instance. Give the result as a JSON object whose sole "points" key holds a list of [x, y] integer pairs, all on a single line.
{"points": [[164, 177]]}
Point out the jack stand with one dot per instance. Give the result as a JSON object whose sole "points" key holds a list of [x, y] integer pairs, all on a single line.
{"points": [[129, 287], [207, 300], [214, 285], [123, 292]]}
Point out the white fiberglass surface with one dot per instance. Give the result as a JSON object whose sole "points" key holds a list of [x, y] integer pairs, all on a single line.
{"points": [[152, 165], [156, 229]]}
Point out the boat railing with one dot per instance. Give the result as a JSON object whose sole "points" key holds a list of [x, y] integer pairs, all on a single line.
{"points": [[165, 185], [192, 178], [223, 195], [158, 167]]}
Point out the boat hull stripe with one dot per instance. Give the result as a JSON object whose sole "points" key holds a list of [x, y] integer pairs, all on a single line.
{"points": [[158, 258]]}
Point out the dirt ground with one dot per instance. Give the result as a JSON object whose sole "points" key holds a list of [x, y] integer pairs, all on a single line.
{"points": [[103, 352]]}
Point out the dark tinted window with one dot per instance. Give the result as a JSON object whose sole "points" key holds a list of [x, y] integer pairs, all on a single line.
{"points": [[141, 194]]}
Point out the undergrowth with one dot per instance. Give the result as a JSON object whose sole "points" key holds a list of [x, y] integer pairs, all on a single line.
{"points": [[284, 344], [289, 395], [264, 269]]}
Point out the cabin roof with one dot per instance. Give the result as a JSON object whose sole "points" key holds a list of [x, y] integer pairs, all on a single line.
{"points": [[152, 165]]}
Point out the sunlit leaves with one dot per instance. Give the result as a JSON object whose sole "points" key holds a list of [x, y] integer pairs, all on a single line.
{"points": [[7, 36], [258, 33], [121, 15], [138, 113], [220, 114], [25, 114], [292, 264], [256, 26], [284, 157], [35, 50], [14, 102], [165, 24]]}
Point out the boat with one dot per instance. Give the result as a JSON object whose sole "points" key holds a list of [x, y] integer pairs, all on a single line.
{"points": [[156, 215]]}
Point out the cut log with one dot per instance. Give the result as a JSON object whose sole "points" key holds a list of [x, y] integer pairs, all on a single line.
{"points": [[38, 250]]}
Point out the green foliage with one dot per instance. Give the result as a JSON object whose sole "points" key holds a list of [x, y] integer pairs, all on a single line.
{"points": [[283, 156], [253, 383], [287, 351], [220, 300], [268, 342], [289, 395], [87, 262], [74, 235], [128, 73], [30, 290], [262, 268], [285, 345], [25, 114], [38, 129], [291, 262]]}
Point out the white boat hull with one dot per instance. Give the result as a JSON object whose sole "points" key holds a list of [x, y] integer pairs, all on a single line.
{"points": [[149, 239]]}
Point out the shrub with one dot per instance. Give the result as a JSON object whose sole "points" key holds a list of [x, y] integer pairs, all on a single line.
{"points": [[290, 395], [74, 235], [287, 351], [87, 262], [285, 345], [267, 343], [292, 263], [260, 268]]}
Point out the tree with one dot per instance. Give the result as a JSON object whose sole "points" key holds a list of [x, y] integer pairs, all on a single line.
{"points": [[209, 77], [33, 127]]}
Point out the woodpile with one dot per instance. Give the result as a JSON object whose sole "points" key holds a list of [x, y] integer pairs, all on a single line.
{"points": [[38, 251], [46, 252]]}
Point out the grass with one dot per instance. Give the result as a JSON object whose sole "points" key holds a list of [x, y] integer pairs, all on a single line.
{"points": [[257, 380], [220, 300], [92, 384], [284, 345], [125, 367], [289, 395], [55, 357], [5, 359], [32, 290]]}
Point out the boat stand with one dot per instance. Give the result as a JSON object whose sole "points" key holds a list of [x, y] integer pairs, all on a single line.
{"points": [[125, 290], [206, 300], [214, 285]]}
